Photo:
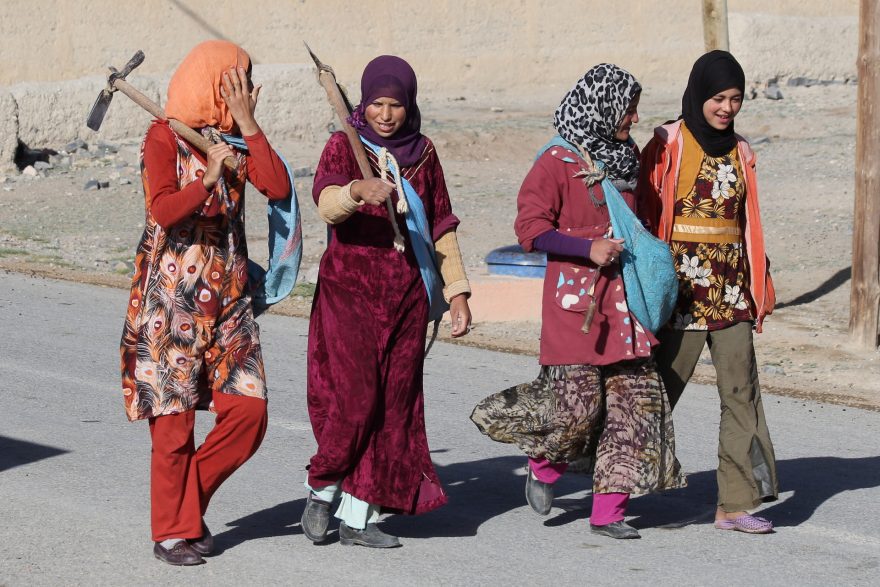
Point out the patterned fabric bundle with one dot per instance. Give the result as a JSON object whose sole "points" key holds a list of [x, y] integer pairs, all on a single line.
{"points": [[561, 417]]}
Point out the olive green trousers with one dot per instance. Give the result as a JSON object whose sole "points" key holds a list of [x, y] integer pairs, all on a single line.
{"points": [[746, 461]]}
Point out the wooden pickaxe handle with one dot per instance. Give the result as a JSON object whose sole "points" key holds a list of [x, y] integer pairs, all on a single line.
{"points": [[328, 82], [196, 139]]}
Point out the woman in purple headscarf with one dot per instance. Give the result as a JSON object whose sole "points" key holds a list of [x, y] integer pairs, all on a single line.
{"points": [[370, 315]]}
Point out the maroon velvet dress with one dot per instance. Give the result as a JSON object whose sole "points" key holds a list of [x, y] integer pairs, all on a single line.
{"points": [[366, 346]]}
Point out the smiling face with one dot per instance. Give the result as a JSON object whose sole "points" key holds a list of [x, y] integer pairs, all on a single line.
{"points": [[630, 118], [720, 110], [385, 116]]}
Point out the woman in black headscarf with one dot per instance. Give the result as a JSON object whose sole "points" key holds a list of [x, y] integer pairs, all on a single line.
{"points": [[698, 185]]}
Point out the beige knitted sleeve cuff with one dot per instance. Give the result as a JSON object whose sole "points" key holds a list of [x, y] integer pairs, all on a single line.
{"points": [[335, 204], [456, 288], [451, 266]]}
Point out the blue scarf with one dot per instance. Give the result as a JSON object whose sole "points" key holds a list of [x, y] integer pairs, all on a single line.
{"points": [[650, 281], [558, 141], [270, 286], [422, 243]]}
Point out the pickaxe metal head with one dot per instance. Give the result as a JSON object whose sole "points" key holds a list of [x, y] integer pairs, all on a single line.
{"points": [[102, 103], [322, 67], [325, 69]]}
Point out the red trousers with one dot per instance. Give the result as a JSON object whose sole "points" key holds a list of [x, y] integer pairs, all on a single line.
{"points": [[183, 478]]}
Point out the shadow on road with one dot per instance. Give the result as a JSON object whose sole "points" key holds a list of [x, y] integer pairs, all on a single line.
{"points": [[280, 520], [481, 490], [811, 480], [814, 480], [828, 286], [14, 452]]}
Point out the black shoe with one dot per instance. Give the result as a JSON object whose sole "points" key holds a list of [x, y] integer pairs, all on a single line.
{"points": [[205, 544], [315, 518], [538, 494], [619, 529], [181, 554], [371, 536]]}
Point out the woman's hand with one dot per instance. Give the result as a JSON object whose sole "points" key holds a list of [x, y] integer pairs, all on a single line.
{"points": [[605, 251], [460, 313], [373, 191], [241, 102], [216, 155]]}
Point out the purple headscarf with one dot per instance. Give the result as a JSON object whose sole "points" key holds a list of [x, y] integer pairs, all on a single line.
{"points": [[388, 76]]}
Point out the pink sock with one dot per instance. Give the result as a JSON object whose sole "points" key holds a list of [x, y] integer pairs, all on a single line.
{"points": [[545, 471], [608, 508]]}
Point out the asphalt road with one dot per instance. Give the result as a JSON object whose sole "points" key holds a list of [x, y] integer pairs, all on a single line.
{"points": [[74, 501]]}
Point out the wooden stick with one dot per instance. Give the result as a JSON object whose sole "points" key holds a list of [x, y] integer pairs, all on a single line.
{"points": [[334, 96], [196, 139], [327, 80], [591, 309], [715, 34], [864, 317]]}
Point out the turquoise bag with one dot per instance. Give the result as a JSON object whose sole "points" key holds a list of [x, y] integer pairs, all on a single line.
{"points": [[649, 275]]}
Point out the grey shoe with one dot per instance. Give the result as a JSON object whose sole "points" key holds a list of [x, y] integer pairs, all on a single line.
{"points": [[620, 530], [315, 518], [371, 536], [205, 544], [538, 494]]}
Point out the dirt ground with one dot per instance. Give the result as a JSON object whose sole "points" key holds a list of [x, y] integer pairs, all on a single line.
{"points": [[50, 225]]}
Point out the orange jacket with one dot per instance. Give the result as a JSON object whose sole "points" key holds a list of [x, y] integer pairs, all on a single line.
{"points": [[658, 183]]}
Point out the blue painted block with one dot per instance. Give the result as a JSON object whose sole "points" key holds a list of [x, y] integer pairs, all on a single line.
{"points": [[512, 260]]}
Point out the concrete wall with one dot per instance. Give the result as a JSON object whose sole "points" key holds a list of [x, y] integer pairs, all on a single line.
{"points": [[55, 51], [453, 43]]}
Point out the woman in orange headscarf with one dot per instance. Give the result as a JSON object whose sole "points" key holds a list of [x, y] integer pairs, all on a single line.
{"points": [[190, 339]]}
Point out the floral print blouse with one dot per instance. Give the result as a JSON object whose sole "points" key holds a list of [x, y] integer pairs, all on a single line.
{"points": [[707, 245]]}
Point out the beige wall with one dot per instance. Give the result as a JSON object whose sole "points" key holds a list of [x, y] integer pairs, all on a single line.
{"points": [[456, 44]]}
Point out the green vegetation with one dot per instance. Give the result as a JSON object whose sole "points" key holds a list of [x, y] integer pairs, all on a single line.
{"points": [[306, 290]]}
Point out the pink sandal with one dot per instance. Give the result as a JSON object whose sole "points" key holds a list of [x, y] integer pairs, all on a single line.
{"points": [[746, 523]]}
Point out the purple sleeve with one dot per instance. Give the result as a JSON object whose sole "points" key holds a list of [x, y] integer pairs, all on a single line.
{"points": [[563, 245]]}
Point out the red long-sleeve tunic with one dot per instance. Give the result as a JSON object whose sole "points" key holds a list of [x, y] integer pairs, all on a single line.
{"points": [[551, 197]]}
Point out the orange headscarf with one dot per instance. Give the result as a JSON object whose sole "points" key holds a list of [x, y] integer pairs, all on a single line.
{"points": [[194, 90]]}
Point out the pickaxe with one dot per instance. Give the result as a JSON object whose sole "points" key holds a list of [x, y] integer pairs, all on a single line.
{"points": [[327, 80], [116, 81]]}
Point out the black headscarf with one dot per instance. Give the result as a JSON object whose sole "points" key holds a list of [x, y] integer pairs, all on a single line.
{"points": [[714, 72]]}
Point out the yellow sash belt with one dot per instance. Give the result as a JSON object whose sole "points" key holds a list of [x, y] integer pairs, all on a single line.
{"points": [[706, 230]]}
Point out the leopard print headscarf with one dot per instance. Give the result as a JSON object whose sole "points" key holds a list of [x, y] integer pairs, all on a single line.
{"points": [[590, 114]]}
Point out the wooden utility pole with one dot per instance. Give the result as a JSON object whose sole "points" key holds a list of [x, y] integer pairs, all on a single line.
{"points": [[864, 316], [715, 25]]}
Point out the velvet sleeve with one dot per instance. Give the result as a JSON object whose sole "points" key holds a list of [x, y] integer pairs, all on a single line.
{"points": [[337, 165], [538, 203], [167, 204], [265, 170], [444, 219]]}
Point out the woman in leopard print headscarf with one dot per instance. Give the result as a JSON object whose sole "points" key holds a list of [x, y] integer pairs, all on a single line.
{"points": [[591, 114], [598, 394]]}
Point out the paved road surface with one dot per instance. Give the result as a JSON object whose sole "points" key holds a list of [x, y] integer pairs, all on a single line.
{"points": [[74, 480]]}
